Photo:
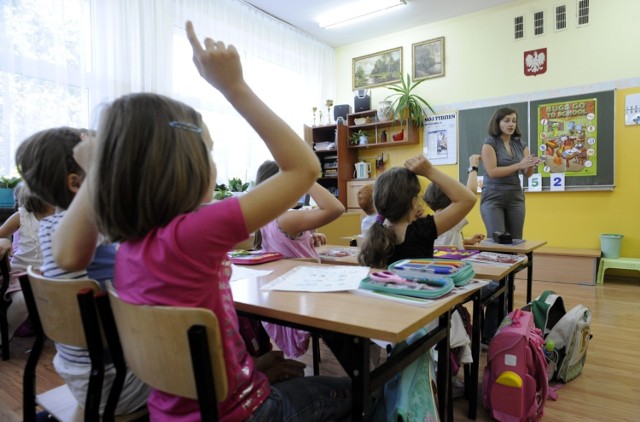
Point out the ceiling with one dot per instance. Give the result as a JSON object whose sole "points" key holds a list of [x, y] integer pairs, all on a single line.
{"points": [[302, 14]]}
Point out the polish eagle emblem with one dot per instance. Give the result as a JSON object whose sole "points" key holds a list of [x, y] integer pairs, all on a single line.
{"points": [[535, 62]]}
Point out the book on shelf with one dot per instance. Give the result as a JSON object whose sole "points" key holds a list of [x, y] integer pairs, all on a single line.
{"points": [[494, 258]]}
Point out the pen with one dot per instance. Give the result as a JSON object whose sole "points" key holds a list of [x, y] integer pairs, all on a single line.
{"points": [[426, 269]]}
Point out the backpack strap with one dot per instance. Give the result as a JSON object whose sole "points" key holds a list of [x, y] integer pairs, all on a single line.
{"points": [[540, 368]]}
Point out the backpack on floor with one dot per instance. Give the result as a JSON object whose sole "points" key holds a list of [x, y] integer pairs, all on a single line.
{"points": [[547, 310], [571, 336], [515, 382]]}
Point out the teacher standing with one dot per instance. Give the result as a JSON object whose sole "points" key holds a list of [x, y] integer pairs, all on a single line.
{"points": [[504, 156]]}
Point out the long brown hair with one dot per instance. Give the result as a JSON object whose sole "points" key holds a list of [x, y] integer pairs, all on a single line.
{"points": [[152, 165], [393, 195], [266, 170], [494, 124], [44, 161]]}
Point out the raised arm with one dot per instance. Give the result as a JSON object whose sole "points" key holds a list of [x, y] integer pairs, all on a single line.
{"points": [[299, 166], [472, 176], [74, 241], [329, 208], [462, 199]]}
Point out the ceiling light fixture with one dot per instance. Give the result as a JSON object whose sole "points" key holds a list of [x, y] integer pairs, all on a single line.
{"points": [[358, 11]]}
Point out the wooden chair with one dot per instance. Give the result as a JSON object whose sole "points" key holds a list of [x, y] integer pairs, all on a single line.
{"points": [[177, 350], [64, 311], [4, 305]]}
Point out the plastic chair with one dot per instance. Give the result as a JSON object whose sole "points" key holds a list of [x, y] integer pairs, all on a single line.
{"points": [[64, 311], [4, 306], [177, 350]]}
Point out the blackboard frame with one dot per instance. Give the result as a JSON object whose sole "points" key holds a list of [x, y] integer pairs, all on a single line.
{"points": [[472, 130]]}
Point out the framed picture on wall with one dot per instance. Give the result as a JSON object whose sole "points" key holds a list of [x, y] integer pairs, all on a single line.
{"points": [[382, 68], [428, 59]]}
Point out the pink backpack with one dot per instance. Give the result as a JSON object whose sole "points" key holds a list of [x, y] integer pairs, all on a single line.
{"points": [[515, 379]]}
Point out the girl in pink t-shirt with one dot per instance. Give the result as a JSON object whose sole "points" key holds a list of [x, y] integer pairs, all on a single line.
{"points": [[151, 170], [292, 235]]}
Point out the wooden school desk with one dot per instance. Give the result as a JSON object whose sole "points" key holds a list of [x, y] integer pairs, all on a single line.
{"points": [[348, 322], [500, 273], [525, 248]]}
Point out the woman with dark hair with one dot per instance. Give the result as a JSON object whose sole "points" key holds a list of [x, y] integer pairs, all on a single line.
{"points": [[505, 156]]}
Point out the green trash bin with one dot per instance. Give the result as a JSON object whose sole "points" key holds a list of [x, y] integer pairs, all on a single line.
{"points": [[610, 245]]}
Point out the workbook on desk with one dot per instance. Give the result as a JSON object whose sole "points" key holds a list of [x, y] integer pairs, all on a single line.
{"points": [[327, 278], [494, 258]]}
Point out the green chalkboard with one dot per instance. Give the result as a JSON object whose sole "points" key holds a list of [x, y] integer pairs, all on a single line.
{"points": [[574, 134], [472, 130]]}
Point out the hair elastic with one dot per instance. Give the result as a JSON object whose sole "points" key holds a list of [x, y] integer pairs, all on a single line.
{"points": [[380, 218], [185, 126]]}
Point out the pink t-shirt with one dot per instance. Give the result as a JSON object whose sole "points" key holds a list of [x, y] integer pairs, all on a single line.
{"points": [[275, 240], [185, 264]]}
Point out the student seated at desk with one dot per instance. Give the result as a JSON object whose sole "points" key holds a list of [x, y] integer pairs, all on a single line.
{"points": [[291, 235], [365, 202], [400, 230], [173, 251]]}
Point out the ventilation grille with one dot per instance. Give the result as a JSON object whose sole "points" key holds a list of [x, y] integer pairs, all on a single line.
{"points": [[583, 12], [561, 18], [538, 23], [518, 27]]}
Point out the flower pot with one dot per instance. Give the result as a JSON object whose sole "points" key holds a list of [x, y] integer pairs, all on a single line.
{"points": [[383, 112], [6, 198]]}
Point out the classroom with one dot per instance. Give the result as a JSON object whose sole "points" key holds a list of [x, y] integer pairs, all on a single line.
{"points": [[295, 73]]}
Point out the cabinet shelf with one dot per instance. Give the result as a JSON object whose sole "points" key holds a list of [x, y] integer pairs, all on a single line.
{"points": [[375, 128]]}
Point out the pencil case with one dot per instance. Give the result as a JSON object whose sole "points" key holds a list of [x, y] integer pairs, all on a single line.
{"points": [[242, 257], [460, 272], [419, 289]]}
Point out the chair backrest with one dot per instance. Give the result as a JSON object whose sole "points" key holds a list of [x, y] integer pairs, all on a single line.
{"points": [[57, 304], [156, 345]]}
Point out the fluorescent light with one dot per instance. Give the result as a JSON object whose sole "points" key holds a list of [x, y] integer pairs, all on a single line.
{"points": [[358, 11]]}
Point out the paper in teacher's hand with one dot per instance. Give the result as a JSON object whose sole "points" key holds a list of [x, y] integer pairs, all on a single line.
{"points": [[335, 278]]}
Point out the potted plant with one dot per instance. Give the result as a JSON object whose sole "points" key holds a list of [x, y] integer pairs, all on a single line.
{"points": [[221, 192], [359, 137], [406, 104], [7, 185], [236, 185]]}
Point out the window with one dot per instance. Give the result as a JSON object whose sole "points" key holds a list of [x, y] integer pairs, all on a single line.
{"points": [[44, 55], [561, 18], [583, 12], [538, 23], [518, 23]]}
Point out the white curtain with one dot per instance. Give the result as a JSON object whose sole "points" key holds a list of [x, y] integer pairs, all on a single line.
{"points": [[61, 59]]}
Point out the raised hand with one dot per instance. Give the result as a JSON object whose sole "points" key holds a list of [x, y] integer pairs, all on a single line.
{"points": [[217, 64], [418, 165]]}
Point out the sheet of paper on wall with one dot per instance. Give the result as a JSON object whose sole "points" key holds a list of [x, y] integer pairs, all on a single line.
{"points": [[334, 278], [441, 138], [239, 272]]}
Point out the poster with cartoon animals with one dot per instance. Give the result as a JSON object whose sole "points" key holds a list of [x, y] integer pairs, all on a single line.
{"points": [[568, 137]]}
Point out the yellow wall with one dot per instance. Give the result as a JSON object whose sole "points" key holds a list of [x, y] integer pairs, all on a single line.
{"points": [[483, 66]]}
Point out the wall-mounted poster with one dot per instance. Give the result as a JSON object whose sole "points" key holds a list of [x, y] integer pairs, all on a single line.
{"points": [[441, 138], [568, 137]]}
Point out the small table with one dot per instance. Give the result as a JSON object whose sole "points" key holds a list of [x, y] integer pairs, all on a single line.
{"points": [[348, 322], [619, 263], [526, 248]]}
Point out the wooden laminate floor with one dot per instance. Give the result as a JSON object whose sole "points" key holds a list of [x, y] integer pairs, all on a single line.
{"points": [[607, 390]]}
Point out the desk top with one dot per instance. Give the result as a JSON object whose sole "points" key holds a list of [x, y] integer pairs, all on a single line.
{"points": [[483, 271], [521, 248], [341, 312]]}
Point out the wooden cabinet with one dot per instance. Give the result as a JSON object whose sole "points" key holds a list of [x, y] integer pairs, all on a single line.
{"points": [[353, 186], [337, 163], [376, 130]]}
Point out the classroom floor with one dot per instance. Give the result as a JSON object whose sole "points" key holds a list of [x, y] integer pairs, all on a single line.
{"points": [[607, 390]]}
